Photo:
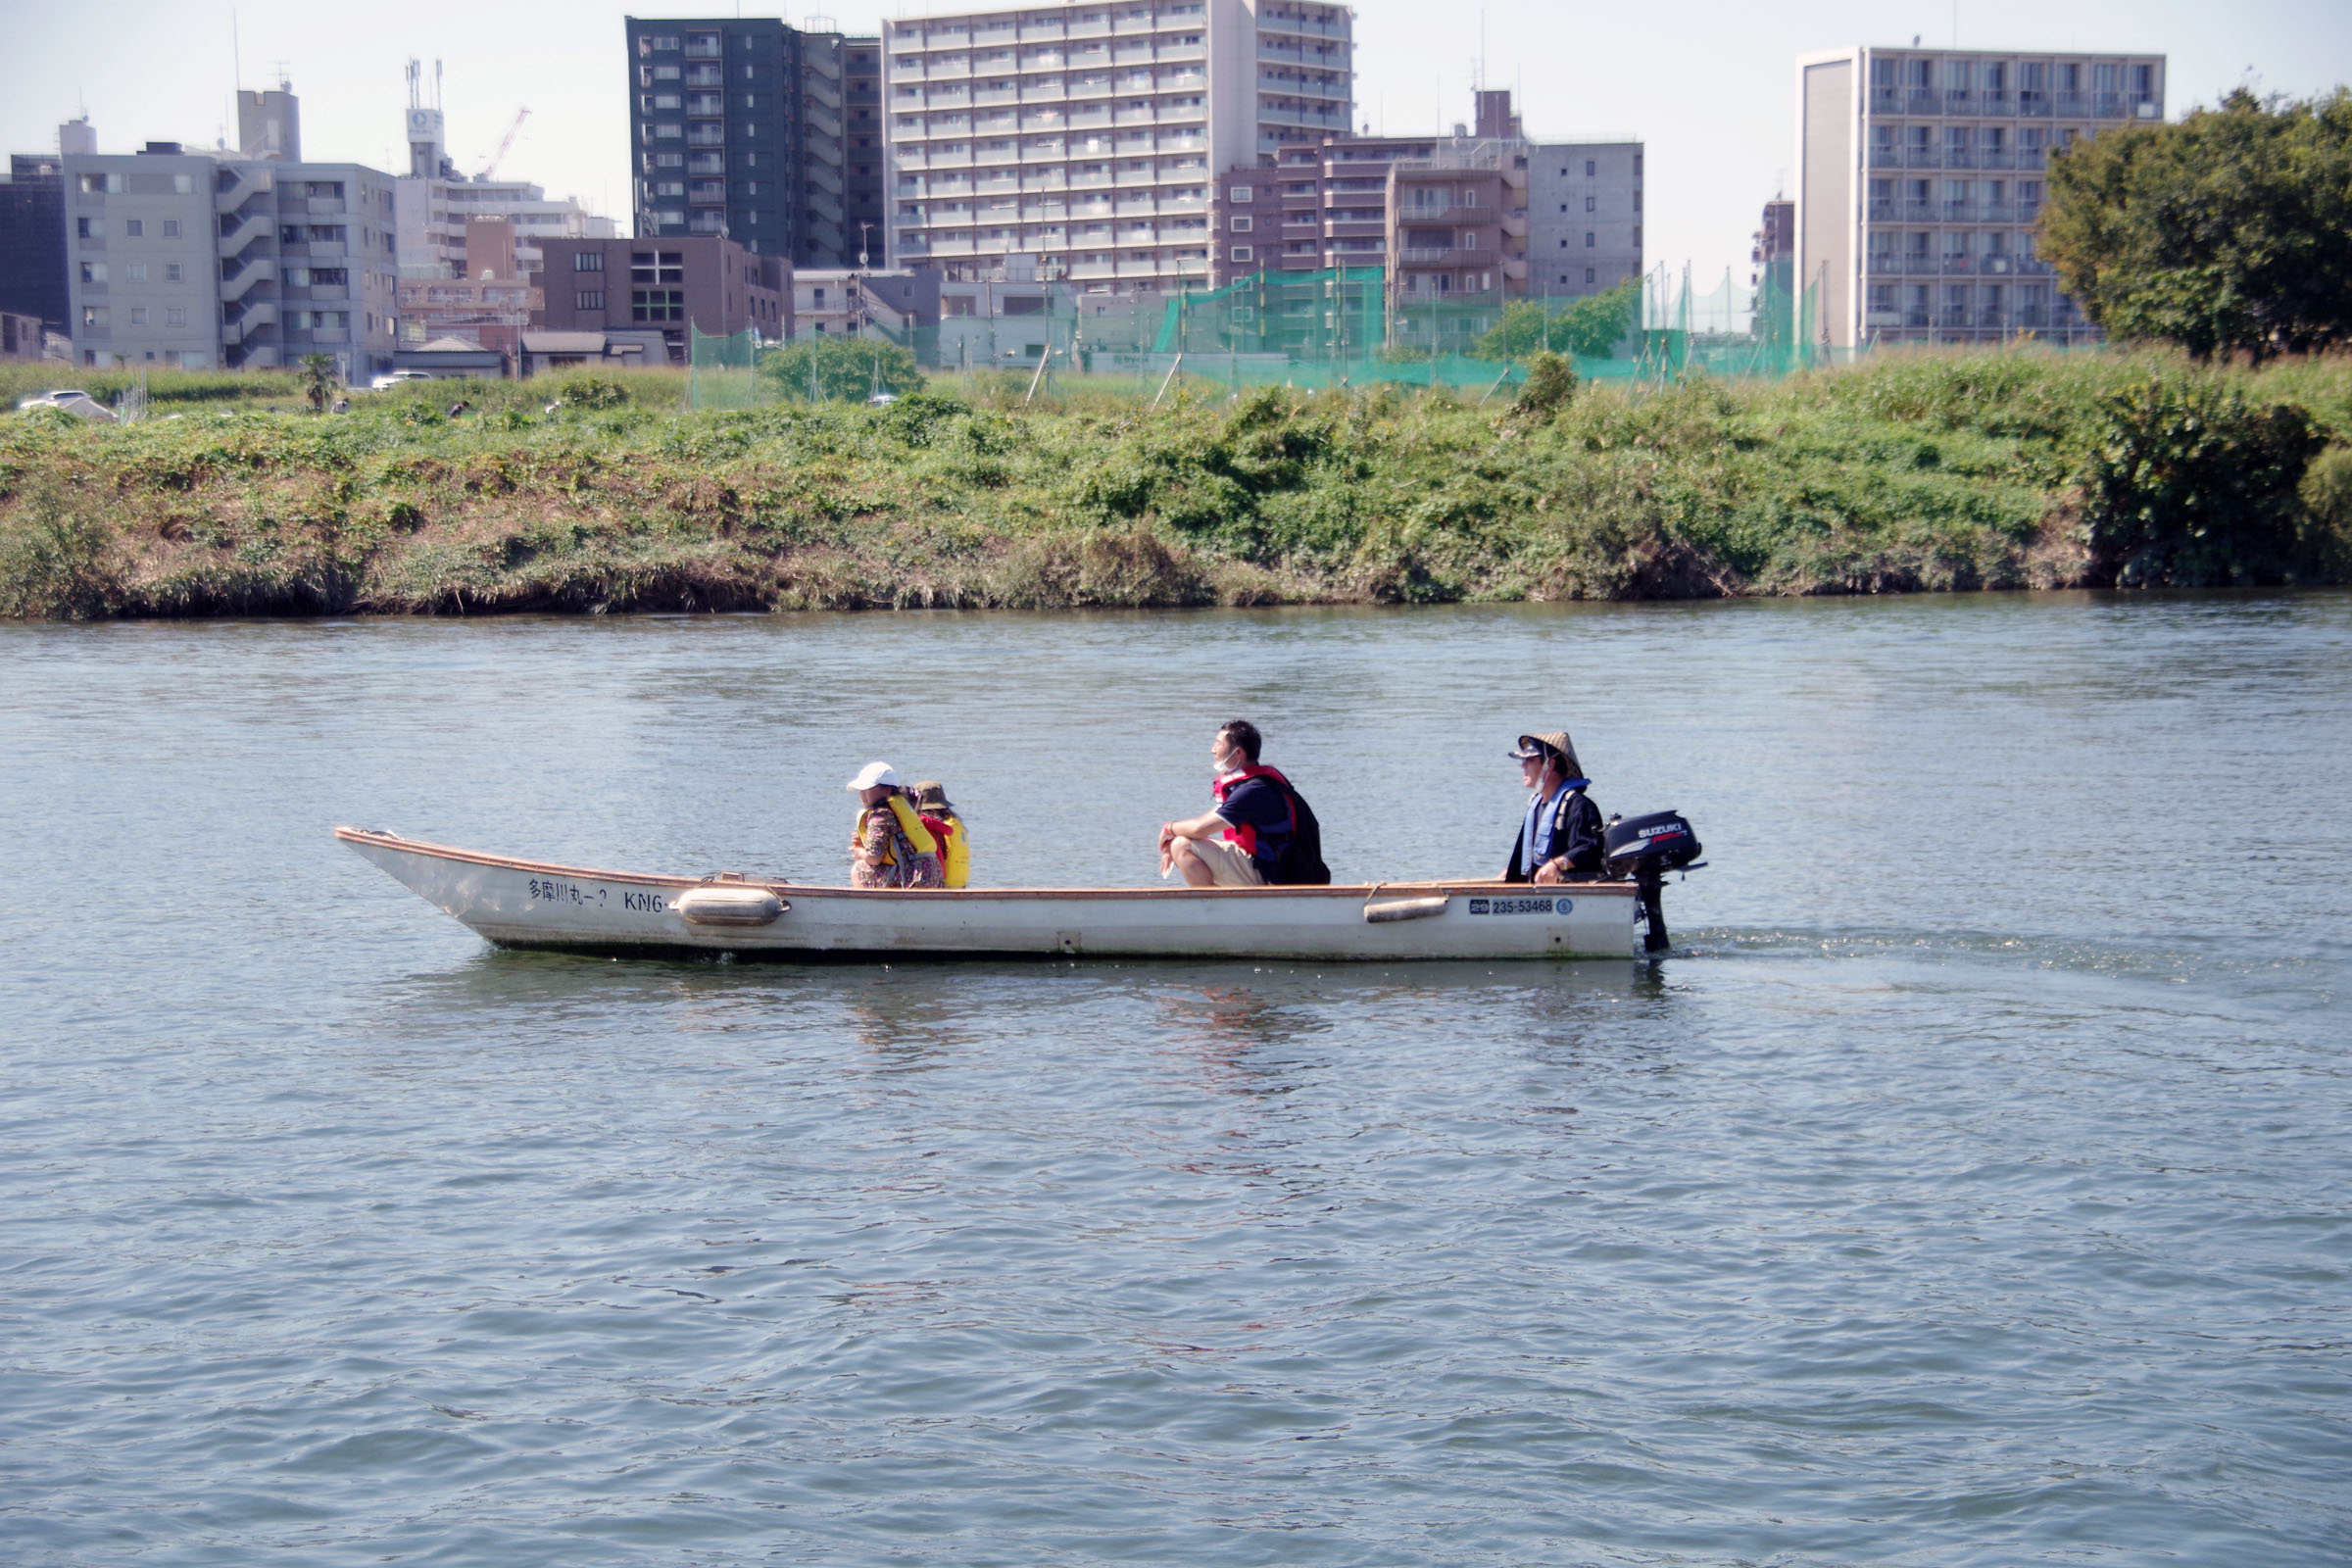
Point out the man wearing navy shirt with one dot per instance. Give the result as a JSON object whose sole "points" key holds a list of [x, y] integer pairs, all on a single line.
{"points": [[1239, 844]]}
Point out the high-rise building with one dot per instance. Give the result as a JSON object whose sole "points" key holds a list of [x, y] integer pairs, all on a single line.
{"points": [[1920, 175], [32, 234], [204, 259], [742, 128], [1080, 140]]}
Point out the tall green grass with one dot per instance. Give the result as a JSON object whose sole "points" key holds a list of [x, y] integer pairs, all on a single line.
{"points": [[1924, 471]]}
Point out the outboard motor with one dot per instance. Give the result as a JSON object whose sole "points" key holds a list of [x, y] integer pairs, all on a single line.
{"points": [[1649, 847]]}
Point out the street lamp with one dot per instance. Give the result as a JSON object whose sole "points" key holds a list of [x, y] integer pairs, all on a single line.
{"points": [[862, 232]]}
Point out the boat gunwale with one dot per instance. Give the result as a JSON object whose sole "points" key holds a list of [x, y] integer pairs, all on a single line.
{"points": [[1337, 890]]}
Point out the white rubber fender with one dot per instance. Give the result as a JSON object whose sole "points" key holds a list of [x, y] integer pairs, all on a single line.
{"points": [[1405, 909], [731, 906]]}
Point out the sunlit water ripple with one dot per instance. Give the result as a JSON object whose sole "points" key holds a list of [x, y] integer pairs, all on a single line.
{"points": [[1971, 1188]]}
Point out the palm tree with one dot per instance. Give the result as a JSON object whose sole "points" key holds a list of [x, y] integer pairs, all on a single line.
{"points": [[319, 380]]}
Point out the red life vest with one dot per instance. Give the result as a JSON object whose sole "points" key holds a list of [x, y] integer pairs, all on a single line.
{"points": [[1243, 836]]}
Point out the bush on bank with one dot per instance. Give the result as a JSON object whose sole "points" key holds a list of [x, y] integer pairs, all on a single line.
{"points": [[1918, 472]]}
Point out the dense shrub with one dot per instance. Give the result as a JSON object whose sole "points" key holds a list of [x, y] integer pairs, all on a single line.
{"points": [[2192, 485]]}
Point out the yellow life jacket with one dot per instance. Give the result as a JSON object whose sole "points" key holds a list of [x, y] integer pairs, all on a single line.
{"points": [[959, 851], [910, 824]]}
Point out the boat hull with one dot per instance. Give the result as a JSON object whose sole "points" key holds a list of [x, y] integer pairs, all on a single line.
{"points": [[532, 903]]}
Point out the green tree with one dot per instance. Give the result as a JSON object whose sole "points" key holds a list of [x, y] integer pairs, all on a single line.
{"points": [[830, 370], [319, 380], [2230, 232], [1594, 326]]}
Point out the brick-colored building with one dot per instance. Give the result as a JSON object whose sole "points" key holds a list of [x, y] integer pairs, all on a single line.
{"points": [[660, 286]]}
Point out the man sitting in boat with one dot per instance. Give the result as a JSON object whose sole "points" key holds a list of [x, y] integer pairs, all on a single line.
{"points": [[1560, 837], [939, 813], [891, 847], [1260, 831]]}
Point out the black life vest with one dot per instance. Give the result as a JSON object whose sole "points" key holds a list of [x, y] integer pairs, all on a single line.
{"points": [[1300, 860]]}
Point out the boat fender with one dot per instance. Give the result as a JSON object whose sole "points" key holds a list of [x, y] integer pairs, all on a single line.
{"points": [[733, 905], [1406, 908]]}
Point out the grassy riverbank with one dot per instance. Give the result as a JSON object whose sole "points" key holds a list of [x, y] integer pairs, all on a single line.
{"points": [[1916, 472]]}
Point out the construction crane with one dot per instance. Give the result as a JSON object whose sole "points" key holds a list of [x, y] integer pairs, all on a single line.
{"points": [[504, 142]]}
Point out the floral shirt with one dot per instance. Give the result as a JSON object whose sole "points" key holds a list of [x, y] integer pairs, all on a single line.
{"points": [[895, 861]]}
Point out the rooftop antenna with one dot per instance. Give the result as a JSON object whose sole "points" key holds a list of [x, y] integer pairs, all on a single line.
{"points": [[236, 53], [436, 83]]}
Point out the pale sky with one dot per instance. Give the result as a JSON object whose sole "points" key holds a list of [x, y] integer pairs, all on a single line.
{"points": [[1710, 86]]}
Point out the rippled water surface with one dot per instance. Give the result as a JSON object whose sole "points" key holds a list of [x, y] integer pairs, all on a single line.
{"points": [[1972, 1187]]}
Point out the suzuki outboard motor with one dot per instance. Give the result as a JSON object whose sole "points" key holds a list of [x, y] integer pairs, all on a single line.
{"points": [[1648, 848]]}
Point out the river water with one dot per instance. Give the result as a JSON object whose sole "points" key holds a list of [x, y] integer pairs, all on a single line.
{"points": [[1971, 1186]]}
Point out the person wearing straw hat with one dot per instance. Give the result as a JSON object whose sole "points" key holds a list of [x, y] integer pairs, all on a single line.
{"points": [[1560, 836], [955, 852], [890, 846]]}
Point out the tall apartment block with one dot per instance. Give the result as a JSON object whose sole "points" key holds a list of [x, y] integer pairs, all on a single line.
{"points": [[33, 232], [203, 259], [1080, 140], [742, 128], [1920, 175]]}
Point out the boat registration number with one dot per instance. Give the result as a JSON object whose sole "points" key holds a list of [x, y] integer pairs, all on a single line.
{"points": [[1521, 906]]}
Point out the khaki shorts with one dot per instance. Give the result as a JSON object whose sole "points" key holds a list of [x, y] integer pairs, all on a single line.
{"points": [[1226, 862]]}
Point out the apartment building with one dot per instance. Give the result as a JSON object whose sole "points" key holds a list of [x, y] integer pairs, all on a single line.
{"points": [[1311, 209], [1456, 241], [32, 237], [1085, 135], [1920, 178], [652, 290], [747, 128], [203, 259]]}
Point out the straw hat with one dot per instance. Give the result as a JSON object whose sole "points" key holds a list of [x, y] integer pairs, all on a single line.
{"points": [[1555, 739], [931, 795]]}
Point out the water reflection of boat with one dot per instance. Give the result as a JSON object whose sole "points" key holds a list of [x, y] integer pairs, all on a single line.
{"points": [[532, 904]]}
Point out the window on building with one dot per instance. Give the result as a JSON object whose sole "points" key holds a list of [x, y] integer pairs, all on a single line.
{"points": [[135, 273], [588, 261], [1239, 223], [176, 316], [171, 273], [93, 316], [657, 305], [1592, 276], [170, 228], [1590, 204], [1591, 168], [588, 298], [1587, 239], [1242, 253], [138, 315], [93, 271], [89, 228], [1241, 195], [133, 227]]}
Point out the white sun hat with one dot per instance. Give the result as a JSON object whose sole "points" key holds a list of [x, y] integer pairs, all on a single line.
{"points": [[872, 774]]}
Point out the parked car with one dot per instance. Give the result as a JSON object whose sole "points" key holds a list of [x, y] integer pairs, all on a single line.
{"points": [[76, 403], [392, 378]]}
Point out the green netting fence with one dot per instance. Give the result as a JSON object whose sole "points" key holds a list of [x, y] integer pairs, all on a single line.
{"points": [[1336, 328]]}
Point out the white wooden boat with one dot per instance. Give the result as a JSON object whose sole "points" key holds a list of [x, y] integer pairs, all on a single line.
{"points": [[533, 903]]}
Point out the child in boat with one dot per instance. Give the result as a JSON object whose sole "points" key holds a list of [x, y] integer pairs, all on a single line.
{"points": [[890, 846], [931, 799]]}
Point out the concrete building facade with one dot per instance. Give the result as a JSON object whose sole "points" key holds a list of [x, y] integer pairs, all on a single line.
{"points": [[1085, 135], [1920, 177], [199, 260], [655, 289]]}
